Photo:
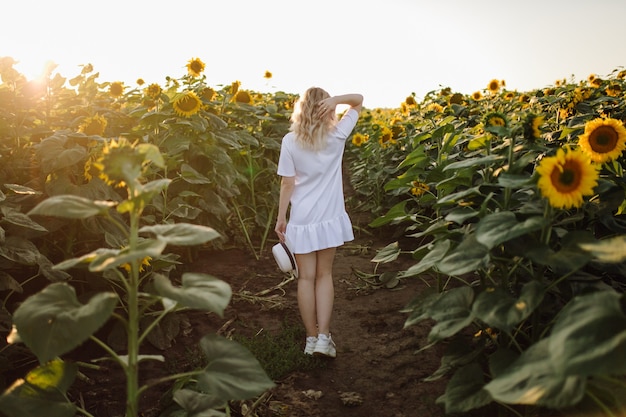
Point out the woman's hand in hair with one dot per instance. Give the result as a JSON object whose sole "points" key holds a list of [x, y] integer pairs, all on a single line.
{"points": [[326, 107]]}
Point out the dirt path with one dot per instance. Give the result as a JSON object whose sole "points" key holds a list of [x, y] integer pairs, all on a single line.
{"points": [[376, 371]]}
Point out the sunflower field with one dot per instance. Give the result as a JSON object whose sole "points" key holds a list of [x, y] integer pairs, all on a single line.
{"points": [[511, 205]]}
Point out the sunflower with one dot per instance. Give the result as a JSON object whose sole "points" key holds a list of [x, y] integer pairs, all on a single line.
{"points": [[243, 96], [456, 98], [495, 119], [603, 140], [145, 262], [359, 139], [532, 125], [116, 89], [493, 86], [188, 104], [386, 137], [434, 107], [418, 188], [410, 101], [94, 125], [565, 178], [152, 91], [267, 75], [120, 163], [613, 90], [477, 95], [140, 81], [234, 87], [208, 93], [195, 67], [509, 95]]}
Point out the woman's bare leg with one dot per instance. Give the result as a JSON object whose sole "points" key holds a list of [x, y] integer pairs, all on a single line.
{"points": [[324, 288], [307, 265]]}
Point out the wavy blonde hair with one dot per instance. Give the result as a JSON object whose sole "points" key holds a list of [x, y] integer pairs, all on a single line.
{"points": [[311, 130]]}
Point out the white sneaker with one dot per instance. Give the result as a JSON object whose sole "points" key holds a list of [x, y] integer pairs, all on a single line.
{"points": [[311, 341], [325, 346]]}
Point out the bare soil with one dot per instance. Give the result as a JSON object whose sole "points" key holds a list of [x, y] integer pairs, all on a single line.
{"points": [[376, 372]]}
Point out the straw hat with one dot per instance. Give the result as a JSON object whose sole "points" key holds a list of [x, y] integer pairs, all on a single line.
{"points": [[284, 258]]}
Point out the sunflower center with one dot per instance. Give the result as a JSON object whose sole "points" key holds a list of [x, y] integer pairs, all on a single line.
{"points": [[603, 139], [187, 104], [568, 179]]}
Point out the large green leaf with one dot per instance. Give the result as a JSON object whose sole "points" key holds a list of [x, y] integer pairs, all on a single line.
{"points": [[396, 213], [17, 218], [497, 228], [437, 252], [611, 250], [501, 310], [452, 311], [467, 257], [465, 391], [42, 392], [387, 254], [199, 291], [589, 336], [71, 206], [533, 379], [197, 404], [570, 257], [232, 373], [418, 307], [472, 162], [182, 234], [53, 321], [108, 259]]}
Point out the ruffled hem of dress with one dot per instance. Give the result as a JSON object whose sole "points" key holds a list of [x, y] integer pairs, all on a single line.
{"points": [[328, 234]]}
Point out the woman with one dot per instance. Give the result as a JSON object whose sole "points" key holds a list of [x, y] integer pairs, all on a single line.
{"points": [[310, 166]]}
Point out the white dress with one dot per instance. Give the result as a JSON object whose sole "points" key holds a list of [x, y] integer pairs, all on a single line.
{"points": [[318, 217]]}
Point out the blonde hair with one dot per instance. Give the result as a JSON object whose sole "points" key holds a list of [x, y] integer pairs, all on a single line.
{"points": [[311, 130]]}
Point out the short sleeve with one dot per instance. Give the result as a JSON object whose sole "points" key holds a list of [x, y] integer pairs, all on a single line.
{"points": [[347, 123], [286, 166]]}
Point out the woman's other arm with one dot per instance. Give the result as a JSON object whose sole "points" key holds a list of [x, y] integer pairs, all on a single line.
{"points": [[287, 185]]}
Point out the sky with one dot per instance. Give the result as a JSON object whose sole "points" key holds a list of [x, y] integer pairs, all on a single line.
{"points": [[383, 49]]}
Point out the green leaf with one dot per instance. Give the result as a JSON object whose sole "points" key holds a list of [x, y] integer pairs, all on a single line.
{"points": [[467, 257], [472, 162], [108, 259], [464, 391], [199, 291], [570, 257], [437, 252], [460, 214], [71, 206], [182, 234], [190, 175], [232, 373], [195, 403], [151, 153], [499, 309], [396, 213], [388, 254], [418, 307], [497, 228], [53, 321], [17, 218], [533, 379], [589, 336], [611, 250], [41, 392], [452, 312]]}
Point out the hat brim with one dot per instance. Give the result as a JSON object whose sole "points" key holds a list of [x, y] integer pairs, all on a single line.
{"points": [[284, 258]]}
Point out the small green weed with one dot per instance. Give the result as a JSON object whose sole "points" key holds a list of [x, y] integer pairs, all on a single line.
{"points": [[281, 354]]}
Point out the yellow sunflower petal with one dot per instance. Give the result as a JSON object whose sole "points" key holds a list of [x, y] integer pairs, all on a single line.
{"points": [[566, 178], [603, 140]]}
